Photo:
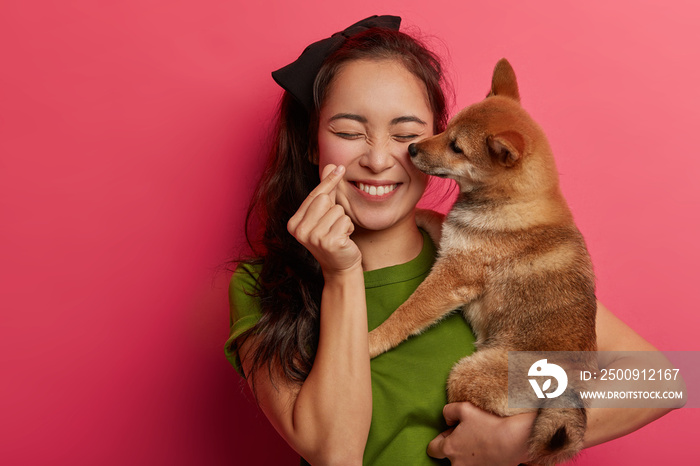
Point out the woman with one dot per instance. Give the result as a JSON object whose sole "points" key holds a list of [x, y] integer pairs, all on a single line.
{"points": [[340, 251]]}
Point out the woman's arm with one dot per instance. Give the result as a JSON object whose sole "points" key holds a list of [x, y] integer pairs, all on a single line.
{"points": [[326, 419], [605, 424], [503, 440]]}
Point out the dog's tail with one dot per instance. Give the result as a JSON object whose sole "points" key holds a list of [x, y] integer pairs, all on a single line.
{"points": [[557, 434]]}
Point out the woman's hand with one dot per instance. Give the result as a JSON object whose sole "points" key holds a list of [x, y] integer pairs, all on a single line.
{"points": [[481, 438], [326, 419], [322, 227]]}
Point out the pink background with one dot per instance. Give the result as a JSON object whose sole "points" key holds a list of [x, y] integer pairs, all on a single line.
{"points": [[130, 138]]}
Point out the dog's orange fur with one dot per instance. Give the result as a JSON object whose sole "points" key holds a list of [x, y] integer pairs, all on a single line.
{"points": [[510, 257]]}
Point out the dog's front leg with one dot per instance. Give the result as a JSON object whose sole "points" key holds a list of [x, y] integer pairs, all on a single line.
{"points": [[443, 291]]}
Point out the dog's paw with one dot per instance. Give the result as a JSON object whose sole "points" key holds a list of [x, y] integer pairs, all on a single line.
{"points": [[376, 344]]}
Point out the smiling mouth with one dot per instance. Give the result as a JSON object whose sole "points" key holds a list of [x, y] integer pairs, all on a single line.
{"points": [[373, 190]]}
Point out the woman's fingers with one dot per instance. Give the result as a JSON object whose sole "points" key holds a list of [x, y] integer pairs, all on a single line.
{"points": [[302, 226], [454, 413], [323, 226], [436, 447], [457, 412], [331, 176], [342, 228], [336, 174]]}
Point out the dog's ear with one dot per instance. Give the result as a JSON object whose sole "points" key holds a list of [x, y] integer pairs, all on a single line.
{"points": [[506, 148], [503, 81]]}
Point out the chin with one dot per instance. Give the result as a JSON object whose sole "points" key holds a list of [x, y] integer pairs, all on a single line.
{"points": [[378, 222]]}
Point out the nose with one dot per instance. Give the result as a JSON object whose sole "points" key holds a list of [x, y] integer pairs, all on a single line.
{"points": [[378, 159], [412, 150]]}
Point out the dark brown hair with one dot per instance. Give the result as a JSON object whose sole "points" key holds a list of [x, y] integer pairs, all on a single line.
{"points": [[290, 282]]}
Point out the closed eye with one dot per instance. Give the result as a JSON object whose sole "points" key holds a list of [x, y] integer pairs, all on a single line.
{"points": [[348, 135], [405, 137], [455, 148]]}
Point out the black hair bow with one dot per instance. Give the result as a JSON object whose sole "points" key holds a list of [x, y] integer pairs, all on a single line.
{"points": [[298, 77]]}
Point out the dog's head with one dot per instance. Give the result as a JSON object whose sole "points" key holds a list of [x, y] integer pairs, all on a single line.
{"points": [[489, 144]]}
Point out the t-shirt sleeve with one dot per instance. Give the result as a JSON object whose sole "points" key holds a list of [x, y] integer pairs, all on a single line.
{"points": [[244, 309]]}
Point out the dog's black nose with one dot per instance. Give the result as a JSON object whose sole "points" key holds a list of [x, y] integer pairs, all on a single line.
{"points": [[412, 151]]}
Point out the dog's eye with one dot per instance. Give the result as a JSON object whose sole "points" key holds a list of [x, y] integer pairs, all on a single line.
{"points": [[455, 148]]}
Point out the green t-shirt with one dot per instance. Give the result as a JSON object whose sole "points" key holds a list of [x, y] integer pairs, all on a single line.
{"points": [[408, 382]]}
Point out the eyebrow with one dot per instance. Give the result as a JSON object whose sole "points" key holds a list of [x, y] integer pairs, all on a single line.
{"points": [[361, 119], [349, 116], [407, 119]]}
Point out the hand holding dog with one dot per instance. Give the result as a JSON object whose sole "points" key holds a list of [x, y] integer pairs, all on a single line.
{"points": [[481, 438], [323, 228]]}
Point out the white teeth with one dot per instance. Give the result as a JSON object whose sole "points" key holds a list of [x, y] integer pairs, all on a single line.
{"points": [[376, 190]]}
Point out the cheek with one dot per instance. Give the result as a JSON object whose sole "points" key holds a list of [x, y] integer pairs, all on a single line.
{"points": [[332, 150], [416, 175]]}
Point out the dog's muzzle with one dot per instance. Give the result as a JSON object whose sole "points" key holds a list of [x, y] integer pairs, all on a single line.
{"points": [[412, 150]]}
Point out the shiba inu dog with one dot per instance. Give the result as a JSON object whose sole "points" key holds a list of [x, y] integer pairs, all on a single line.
{"points": [[510, 257]]}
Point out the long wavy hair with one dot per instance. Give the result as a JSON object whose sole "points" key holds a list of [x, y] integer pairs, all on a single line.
{"points": [[288, 278]]}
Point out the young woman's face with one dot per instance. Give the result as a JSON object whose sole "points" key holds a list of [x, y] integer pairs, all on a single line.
{"points": [[372, 111]]}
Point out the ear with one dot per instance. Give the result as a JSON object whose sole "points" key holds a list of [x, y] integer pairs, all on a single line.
{"points": [[503, 81], [506, 148]]}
